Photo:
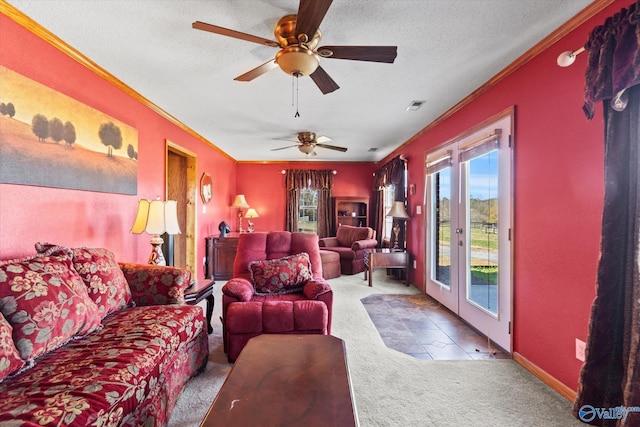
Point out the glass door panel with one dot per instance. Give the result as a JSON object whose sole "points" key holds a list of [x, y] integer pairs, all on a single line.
{"points": [[441, 270], [483, 232]]}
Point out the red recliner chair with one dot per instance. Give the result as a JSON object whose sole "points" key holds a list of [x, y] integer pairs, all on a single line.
{"points": [[273, 291]]}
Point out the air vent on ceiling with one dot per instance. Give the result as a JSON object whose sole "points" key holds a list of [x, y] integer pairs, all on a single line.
{"points": [[415, 105]]}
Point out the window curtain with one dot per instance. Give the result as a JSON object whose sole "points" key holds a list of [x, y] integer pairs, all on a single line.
{"points": [[610, 377], [319, 180], [392, 172]]}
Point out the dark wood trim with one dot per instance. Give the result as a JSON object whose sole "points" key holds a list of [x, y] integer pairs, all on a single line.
{"points": [[545, 377]]}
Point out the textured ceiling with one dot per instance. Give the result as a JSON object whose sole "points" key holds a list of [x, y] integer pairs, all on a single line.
{"points": [[446, 50]]}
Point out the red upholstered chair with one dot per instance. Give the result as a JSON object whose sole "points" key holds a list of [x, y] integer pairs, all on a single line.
{"points": [[249, 310], [350, 243]]}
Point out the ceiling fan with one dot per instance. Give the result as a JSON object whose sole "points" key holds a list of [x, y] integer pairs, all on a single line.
{"points": [[297, 37], [308, 141]]}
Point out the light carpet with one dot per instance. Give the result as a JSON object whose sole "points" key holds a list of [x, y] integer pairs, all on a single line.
{"points": [[394, 389]]}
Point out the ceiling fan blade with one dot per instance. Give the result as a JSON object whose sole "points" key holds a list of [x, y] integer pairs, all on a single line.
{"points": [[332, 147], [385, 54], [321, 139], [323, 81], [232, 33], [310, 15], [257, 72], [282, 148]]}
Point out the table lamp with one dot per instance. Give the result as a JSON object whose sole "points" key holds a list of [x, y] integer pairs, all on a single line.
{"points": [[397, 211], [251, 213], [240, 202], [156, 217]]}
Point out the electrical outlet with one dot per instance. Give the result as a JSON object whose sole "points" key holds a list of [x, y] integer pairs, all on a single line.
{"points": [[580, 349], [415, 264], [418, 210]]}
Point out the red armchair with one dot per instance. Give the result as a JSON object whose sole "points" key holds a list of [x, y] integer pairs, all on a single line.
{"points": [[305, 309], [350, 243]]}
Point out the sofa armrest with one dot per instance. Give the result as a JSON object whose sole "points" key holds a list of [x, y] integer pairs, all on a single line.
{"points": [[328, 242], [156, 284], [240, 289], [364, 244], [316, 287]]}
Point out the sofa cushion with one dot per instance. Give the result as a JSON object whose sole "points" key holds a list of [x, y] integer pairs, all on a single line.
{"points": [[10, 361], [100, 272], [46, 303], [281, 275]]}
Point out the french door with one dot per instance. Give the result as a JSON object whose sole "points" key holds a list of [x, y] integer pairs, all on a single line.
{"points": [[468, 203]]}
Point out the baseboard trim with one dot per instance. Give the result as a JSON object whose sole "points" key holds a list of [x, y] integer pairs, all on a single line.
{"points": [[549, 380]]}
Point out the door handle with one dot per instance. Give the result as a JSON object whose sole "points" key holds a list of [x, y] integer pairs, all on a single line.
{"points": [[458, 230]]}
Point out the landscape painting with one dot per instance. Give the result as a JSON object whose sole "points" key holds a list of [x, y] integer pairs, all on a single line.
{"points": [[49, 139]]}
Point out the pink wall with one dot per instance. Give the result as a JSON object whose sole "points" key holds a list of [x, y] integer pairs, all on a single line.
{"points": [[74, 218], [558, 199], [263, 186]]}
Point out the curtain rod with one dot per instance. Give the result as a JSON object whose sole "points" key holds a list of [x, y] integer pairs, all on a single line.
{"points": [[284, 171]]}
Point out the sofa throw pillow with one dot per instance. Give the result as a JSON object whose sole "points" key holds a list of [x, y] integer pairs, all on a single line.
{"points": [[282, 275], [10, 361], [46, 303], [101, 274], [104, 279]]}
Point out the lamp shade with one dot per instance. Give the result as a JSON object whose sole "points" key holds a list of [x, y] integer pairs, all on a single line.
{"points": [[251, 213], [156, 217], [398, 211], [240, 202]]}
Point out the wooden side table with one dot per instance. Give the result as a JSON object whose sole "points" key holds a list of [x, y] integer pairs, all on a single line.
{"points": [[385, 258], [202, 289]]}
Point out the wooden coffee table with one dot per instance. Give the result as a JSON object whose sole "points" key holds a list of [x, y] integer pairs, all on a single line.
{"points": [[287, 380]]}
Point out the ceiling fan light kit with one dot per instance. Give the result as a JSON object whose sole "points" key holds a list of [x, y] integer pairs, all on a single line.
{"points": [[297, 61]]}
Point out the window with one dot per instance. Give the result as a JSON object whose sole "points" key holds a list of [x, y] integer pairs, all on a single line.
{"points": [[308, 211], [389, 196]]}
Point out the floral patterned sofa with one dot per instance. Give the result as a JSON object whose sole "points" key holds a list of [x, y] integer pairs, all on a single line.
{"points": [[87, 341]]}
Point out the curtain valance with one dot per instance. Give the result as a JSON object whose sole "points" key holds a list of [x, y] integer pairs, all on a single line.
{"points": [[614, 59], [296, 179], [390, 173]]}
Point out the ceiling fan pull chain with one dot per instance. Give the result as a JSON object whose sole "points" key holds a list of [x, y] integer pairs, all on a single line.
{"points": [[297, 98]]}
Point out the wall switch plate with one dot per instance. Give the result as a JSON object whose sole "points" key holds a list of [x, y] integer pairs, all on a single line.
{"points": [[580, 349], [418, 210], [415, 264]]}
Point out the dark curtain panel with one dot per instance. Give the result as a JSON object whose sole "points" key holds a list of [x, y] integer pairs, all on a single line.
{"points": [[610, 378], [320, 180], [378, 215], [392, 172]]}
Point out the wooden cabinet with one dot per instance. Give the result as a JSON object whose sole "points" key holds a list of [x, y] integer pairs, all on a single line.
{"points": [[351, 211], [220, 253]]}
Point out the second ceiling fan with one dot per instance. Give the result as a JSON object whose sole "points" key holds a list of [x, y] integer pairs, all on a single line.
{"points": [[297, 37]]}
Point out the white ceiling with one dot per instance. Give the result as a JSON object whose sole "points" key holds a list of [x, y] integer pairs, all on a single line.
{"points": [[446, 50]]}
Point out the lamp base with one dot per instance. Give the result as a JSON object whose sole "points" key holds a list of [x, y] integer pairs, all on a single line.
{"points": [[156, 257]]}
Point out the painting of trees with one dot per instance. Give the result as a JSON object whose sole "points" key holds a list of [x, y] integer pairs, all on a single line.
{"points": [[110, 136]]}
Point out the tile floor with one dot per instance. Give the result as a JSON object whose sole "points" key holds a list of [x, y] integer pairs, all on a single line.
{"points": [[420, 327]]}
